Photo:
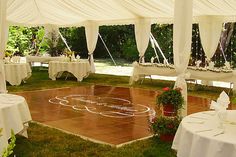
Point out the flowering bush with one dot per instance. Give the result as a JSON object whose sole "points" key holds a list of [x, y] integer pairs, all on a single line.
{"points": [[165, 125], [171, 97]]}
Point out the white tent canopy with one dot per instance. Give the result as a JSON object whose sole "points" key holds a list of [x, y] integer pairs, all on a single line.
{"points": [[108, 12]]}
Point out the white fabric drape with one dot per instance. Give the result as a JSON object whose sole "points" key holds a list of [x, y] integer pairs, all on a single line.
{"points": [[3, 41], [210, 28], [107, 12], [52, 33], [142, 34], [91, 31], [182, 38]]}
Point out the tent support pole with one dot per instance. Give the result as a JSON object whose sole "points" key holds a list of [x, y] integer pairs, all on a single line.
{"points": [[221, 48], [106, 48], [64, 40], [157, 45], [153, 46]]}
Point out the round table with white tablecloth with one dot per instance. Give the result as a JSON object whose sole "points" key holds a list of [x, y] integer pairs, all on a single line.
{"points": [[14, 113], [199, 135], [79, 69], [15, 73]]}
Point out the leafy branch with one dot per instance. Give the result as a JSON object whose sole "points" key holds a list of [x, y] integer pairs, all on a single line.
{"points": [[9, 150]]}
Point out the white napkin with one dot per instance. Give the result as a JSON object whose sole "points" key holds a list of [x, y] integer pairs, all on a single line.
{"points": [[214, 105], [220, 107], [222, 102]]}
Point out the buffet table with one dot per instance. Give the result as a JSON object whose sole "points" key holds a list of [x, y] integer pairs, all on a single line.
{"points": [[80, 69], [199, 135], [15, 73], [146, 69], [14, 115]]}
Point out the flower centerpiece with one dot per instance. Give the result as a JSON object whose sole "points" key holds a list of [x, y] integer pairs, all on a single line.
{"points": [[171, 100], [165, 127], [70, 55]]}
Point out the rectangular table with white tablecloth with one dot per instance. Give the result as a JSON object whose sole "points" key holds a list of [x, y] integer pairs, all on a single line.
{"points": [[80, 69], [146, 69]]}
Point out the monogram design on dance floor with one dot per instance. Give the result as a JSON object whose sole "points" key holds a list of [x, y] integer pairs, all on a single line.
{"points": [[104, 106]]}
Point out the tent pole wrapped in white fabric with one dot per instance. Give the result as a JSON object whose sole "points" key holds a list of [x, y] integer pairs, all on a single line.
{"points": [[3, 41], [182, 38]]}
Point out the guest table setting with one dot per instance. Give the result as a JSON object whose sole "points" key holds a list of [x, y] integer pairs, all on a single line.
{"points": [[208, 133], [15, 71], [80, 68], [14, 115]]}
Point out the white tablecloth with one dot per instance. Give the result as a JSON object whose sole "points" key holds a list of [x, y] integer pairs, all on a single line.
{"points": [[195, 136], [79, 69], [16, 72], [14, 113], [139, 70], [43, 59], [147, 69]]}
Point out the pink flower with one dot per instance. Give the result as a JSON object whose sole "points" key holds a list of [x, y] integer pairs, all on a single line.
{"points": [[166, 89]]}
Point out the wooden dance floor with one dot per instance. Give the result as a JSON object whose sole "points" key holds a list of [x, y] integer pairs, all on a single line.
{"points": [[106, 114]]}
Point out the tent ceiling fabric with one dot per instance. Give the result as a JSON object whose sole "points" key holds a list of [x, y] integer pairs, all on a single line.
{"points": [[108, 12]]}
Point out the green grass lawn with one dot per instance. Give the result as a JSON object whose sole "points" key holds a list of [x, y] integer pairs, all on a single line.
{"points": [[48, 142]]}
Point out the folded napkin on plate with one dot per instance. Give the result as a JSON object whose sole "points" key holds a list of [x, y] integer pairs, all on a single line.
{"points": [[221, 103]]}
